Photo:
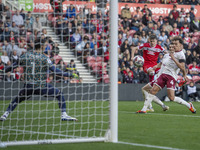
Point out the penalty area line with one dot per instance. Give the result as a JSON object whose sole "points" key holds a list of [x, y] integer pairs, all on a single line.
{"points": [[192, 116], [147, 145]]}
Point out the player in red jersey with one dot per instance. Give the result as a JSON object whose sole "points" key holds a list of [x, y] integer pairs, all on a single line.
{"points": [[151, 52]]}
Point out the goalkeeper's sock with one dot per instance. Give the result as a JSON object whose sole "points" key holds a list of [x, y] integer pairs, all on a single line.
{"points": [[63, 114], [181, 101], [61, 102], [13, 104]]}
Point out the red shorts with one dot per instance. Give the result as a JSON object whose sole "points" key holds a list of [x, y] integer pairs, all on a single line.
{"points": [[167, 80]]}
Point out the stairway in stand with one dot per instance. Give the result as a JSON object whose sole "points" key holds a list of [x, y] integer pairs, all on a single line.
{"points": [[67, 55]]}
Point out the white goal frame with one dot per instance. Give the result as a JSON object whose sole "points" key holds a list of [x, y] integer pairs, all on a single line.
{"points": [[112, 133]]}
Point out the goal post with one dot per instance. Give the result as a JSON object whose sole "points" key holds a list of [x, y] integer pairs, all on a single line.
{"points": [[90, 95]]}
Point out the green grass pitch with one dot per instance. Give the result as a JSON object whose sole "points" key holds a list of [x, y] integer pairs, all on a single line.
{"points": [[176, 128]]}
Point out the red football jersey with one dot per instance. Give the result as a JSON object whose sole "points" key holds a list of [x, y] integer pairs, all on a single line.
{"points": [[150, 54]]}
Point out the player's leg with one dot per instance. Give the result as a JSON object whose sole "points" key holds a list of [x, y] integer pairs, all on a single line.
{"points": [[24, 94], [146, 89], [149, 98], [151, 74], [171, 95], [179, 100], [55, 92]]}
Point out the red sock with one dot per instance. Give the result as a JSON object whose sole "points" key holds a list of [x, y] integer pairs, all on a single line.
{"points": [[151, 78]]}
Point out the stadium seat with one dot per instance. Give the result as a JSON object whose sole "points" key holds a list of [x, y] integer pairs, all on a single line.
{"points": [[99, 59], [57, 58], [90, 61], [196, 39], [106, 78], [196, 34], [196, 78], [132, 32]]}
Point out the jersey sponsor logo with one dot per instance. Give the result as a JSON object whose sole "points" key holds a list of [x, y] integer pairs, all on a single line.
{"points": [[150, 53]]}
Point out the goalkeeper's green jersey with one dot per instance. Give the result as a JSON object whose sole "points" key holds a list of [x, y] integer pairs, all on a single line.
{"points": [[35, 68]]}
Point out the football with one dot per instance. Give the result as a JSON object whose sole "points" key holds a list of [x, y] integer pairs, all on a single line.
{"points": [[138, 61]]}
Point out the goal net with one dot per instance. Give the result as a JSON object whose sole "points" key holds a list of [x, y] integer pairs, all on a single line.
{"points": [[55, 70]]}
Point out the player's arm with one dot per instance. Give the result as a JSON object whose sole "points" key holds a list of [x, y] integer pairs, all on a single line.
{"points": [[181, 64], [157, 66]]}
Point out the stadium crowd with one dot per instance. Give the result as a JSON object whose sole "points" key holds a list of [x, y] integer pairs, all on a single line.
{"points": [[18, 31], [87, 34]]}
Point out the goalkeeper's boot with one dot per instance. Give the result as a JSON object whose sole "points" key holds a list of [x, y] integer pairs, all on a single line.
{"points": [[65, 117], [165, 108], [141, 112], [192, 109], [4, 116], [150, 109]]}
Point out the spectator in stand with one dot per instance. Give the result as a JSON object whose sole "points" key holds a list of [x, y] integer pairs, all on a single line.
{"points": [[168, 27], [197, 48], [14, 28], [1, 7], [4, 58], [30, 17], [101, 5], [145, 37], [22, 13], [194, 69], [71, 67], [185, 28], [171, 19], [136, 75], [145, 9], [59, 25], [161, 20], [156, 31], [182, 14], [142, 76], [125, 46], [163, 38], [174, 12], [181, 2], [28, 26], [125, 23], [14, 58], [178, 90], [179, 23], [135, 39], [145, 18], [125, 12], [37, 24], [196, 57], [135, 23], [195, 25], [192, 15], [21, 50], [186, 38], [174, 32], [71, 11], [75, 39], [18, 19], [193, 2], [192, 92], [120, 77], [137, 13], [128, 76]]}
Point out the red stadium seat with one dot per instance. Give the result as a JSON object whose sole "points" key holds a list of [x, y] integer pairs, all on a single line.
{"points": [[132, 32], [90, 60], [196, 78], [196, 39], [99, 59], [196, 34], [106, 78]]}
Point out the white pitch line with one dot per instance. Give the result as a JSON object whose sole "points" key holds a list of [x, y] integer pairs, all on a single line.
{"points": [[150, 146], [191, 116], [35, 132]]}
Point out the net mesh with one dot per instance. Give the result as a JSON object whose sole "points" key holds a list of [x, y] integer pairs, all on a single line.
{"points": [[74, 39]]}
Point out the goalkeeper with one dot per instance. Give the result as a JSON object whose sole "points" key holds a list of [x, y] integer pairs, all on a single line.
{"points": [[36, 65]]}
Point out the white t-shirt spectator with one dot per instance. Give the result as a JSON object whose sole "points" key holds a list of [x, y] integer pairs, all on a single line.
{"points": [[5, 59], [18, 19]]}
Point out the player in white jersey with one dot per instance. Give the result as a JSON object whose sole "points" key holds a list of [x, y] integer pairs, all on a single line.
{"points": [[172, 63]]}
